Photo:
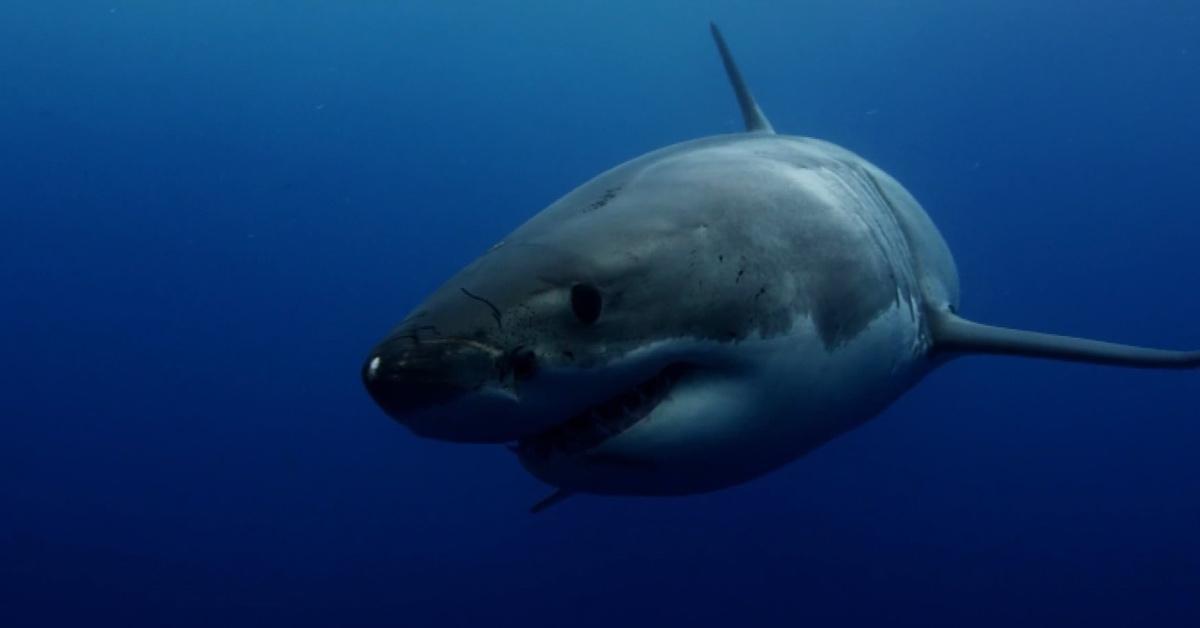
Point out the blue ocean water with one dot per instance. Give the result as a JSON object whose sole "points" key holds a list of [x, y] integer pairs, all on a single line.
{"points": [[210, 211]]}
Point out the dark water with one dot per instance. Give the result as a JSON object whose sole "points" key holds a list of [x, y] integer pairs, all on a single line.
{"points": [[209, 211]]}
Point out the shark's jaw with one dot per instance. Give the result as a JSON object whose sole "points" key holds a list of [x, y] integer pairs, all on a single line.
{"points": [[593, 426]]}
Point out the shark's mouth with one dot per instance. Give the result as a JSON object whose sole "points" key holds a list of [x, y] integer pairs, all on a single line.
{"points": [[588, 429]]}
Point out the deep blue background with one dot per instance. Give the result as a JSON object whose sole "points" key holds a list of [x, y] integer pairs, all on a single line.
{"points": [[209, 211]]}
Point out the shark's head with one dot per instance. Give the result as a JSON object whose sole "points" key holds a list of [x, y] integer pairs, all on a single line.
{"points": [[575, 327]]}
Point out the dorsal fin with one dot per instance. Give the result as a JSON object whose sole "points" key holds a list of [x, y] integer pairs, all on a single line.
{"points": [[755, 120]]}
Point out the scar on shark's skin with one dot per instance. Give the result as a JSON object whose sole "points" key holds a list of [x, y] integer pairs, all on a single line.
{"points": [[495, 311], [609, 195], [632, 365]]}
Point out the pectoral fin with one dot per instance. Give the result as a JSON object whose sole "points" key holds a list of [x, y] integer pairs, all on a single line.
{"points": [[955, 335], [550, 500]]}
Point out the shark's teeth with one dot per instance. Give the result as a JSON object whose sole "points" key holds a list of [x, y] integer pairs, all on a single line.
{"points": [[591, 427]]}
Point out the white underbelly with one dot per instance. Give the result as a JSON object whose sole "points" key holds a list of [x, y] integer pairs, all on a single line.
{"points": [[796, 394]]}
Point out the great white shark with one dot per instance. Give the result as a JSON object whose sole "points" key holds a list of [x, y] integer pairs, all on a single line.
{"points": [[697, 317]]}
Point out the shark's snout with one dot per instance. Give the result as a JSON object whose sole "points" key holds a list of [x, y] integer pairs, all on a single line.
{"points": [[401, 392], [407, 376], [447, 388]]}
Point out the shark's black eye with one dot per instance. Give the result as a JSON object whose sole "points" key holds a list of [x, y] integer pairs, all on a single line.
{"points": [[586, 302]]}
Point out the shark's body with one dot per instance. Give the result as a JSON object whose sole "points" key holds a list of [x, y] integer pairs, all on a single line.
{"points": [[696, 317]]}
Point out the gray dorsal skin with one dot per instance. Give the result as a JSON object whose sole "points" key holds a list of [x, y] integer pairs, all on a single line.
{"points": [[955, 335], [751, 113]]}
